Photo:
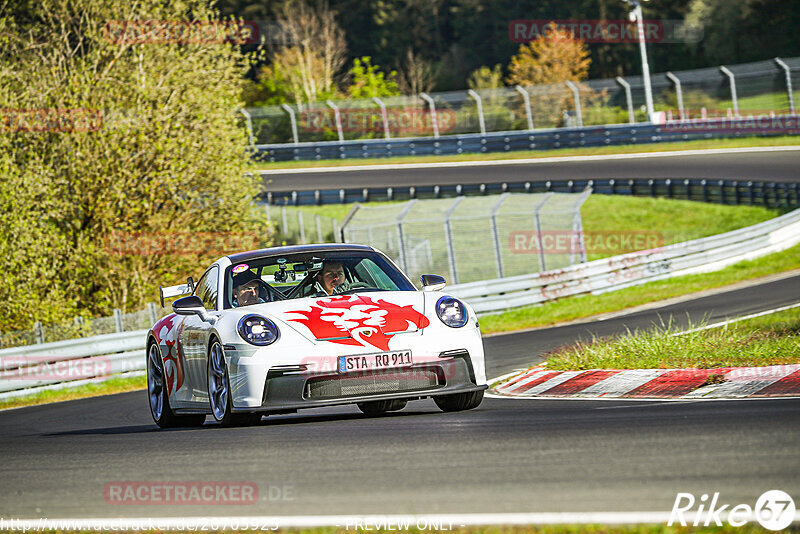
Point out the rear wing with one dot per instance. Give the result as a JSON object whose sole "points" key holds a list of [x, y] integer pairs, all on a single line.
{"points": [[176, 291]]}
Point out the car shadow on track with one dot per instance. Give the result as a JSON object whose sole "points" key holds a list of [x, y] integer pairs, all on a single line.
{"points": [[277, 420]]}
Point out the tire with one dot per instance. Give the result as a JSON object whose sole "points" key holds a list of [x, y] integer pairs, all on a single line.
{"points": [[379, 407], [459, 401], [219, 391], [157, 394]]}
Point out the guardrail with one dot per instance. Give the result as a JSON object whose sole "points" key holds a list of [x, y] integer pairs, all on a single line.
{"points": [[751, 193], [588, 136], [611, 274], [33, 367], [30, 368]]}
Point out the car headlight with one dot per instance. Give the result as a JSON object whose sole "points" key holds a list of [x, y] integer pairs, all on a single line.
{"points": [[452, 312], [257, 330]]}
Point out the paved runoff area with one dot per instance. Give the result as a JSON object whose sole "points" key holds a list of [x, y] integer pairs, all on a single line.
{"points": [[722, 383]]}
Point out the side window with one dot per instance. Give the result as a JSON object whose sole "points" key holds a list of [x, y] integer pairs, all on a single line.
{"points": [[370, 272], [207, 288]]}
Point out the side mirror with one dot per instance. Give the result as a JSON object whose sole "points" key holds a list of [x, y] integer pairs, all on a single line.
{"points": [[191, 305], [432, 282]]}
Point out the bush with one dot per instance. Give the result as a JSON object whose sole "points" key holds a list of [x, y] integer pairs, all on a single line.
{"points": [[114, 134]]}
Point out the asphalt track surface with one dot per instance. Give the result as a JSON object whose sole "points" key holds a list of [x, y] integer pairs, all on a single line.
{"points": [[756, 166], [508, 455]]}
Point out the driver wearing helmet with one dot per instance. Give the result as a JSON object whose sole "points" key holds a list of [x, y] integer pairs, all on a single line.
{"points": [[246, 286]]}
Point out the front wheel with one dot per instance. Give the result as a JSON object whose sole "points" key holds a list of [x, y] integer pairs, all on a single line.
{"points": [[219, 391], [159, 398], [459, 401]]}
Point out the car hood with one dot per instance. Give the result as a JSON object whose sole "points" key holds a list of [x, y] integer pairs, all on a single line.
{"points": [[366, 319]]}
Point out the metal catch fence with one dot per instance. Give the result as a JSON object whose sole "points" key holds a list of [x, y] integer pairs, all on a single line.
{"points": [[759, 88], [301, 227], [473, 238]]}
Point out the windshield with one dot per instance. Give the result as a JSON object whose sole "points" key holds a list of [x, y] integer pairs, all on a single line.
{"points": [[293, 276]]}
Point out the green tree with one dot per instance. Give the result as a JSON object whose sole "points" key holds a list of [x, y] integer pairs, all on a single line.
{"points": [[486, 78], [556, 57], [125, 139], [307, 60], [367, 80], [547, 63]]}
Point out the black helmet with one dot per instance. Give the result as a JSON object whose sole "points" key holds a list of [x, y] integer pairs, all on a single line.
{"points": [[243, 278]]}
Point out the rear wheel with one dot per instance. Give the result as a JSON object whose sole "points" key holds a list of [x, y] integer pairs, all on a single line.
{"points": [[158, 396], [377, 407], [459, 401], [219, 391]]}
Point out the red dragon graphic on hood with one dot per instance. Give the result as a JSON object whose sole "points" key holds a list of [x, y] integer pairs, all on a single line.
{"points": [[364, 319]]}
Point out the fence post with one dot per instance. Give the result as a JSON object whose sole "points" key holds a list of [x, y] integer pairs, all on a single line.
{"points": [[735, 100], [401, 238], [292, 119], [788, 73], [319, 229], [249, 122], [496, 236], [448, 236], [538, 223], [38, 332], [302, 227], [625, 85], [118, 320], [477, 98], [679, 92], [285, 226], [432, 105], [346, 220], [151, 311], [384, 116], [577, 96], [266, 210], [527, 98], [577, 226], [338, 118]]}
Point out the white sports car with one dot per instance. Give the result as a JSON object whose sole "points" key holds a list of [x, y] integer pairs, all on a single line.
{"points": [[276, 330]]}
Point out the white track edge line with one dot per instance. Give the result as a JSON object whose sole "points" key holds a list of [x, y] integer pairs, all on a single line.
{"points": [[737, 319], [528, 161]]}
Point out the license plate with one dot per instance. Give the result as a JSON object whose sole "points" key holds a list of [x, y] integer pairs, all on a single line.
{"points": [[368, 362]]}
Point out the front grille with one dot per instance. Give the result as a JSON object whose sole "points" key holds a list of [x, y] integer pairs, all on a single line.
{"points": [[374, 382]]}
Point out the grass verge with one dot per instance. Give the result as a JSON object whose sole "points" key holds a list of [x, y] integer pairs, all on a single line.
{"points": [[768, 340], [525, 154], [113, 385], [582, 306]]}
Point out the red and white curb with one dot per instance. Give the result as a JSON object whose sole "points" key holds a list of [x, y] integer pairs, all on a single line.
{"points": [[722, 383]]}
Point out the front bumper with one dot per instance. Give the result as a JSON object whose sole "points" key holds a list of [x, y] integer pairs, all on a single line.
{"points": [[286, 391]]}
